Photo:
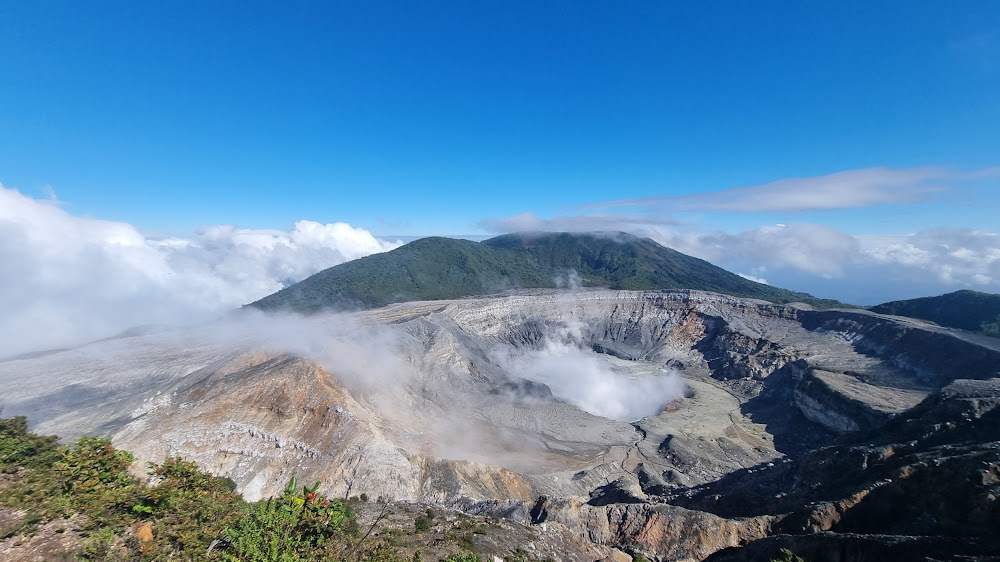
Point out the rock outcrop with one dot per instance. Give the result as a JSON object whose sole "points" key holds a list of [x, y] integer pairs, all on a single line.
{"points": [[933, 472], [784, 420]]}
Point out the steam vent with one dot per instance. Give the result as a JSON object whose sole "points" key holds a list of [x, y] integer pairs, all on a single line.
{"points": [[672, 424]]}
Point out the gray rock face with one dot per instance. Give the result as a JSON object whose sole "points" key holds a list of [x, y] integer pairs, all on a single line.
{"points": [[924, 485], [608, 403]]}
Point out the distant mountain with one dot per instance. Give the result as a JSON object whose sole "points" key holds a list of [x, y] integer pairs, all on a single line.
{"points": [[968, 310], [445, 268]]}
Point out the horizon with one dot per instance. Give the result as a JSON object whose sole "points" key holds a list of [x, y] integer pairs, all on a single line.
{"points": [[167, 162]]}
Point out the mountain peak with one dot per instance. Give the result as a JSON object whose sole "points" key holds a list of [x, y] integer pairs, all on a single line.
{"points": [[446, 268]]}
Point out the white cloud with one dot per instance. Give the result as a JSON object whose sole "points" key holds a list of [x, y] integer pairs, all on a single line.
{"points": [[753, 278], [842, 190], [815, 249], [822, 260], [67, 279], [858, 269], [957, 257]]}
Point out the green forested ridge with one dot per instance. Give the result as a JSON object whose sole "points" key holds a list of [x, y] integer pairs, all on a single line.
{"points": [[967, 310], [445, 268]]}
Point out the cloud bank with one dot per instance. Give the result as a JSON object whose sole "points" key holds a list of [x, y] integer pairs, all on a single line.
{"points": [[68, 279], [817, 258]]}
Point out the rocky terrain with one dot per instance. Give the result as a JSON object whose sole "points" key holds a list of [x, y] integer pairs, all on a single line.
{"points": [[677, 425]]}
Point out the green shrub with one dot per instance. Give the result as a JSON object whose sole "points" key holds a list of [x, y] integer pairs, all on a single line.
{"points": [[193, 514], [422, 522], [518, 555], [96, 482], [103, 544], [788, 556], [294, 527], [378, 552], [30, 459], [22, 449], [93, 463], [190, 507]]}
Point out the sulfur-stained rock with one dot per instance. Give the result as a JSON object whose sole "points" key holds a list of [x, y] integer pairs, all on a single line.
{"points": [[783, 418]]}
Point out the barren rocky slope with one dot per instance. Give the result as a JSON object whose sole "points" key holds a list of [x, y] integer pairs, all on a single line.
{"points": [[675, 424]]}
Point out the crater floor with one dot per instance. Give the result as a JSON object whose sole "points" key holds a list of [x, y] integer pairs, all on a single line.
{"points": [[610, 397]]}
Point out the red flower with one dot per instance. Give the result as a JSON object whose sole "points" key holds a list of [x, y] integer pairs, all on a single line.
{"points": [[326, 503], [311, 497]]}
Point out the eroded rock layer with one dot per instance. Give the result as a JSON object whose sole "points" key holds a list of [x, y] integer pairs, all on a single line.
{"points": [[674, 424]]}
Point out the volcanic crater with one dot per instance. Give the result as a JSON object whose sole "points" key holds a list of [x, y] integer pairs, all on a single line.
{"points": [[634, 419]]}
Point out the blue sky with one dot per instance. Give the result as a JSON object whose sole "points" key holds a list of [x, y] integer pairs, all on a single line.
{"points": [[424, 118], [160, 160]]}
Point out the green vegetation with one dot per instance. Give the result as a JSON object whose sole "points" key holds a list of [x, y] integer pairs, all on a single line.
{"points": [[788, 556], [422, 523], [299, 526], [444, 268], [85, 492], [518, 555], [85, 489], [967, 310], [463, 557], [88, 483]]}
